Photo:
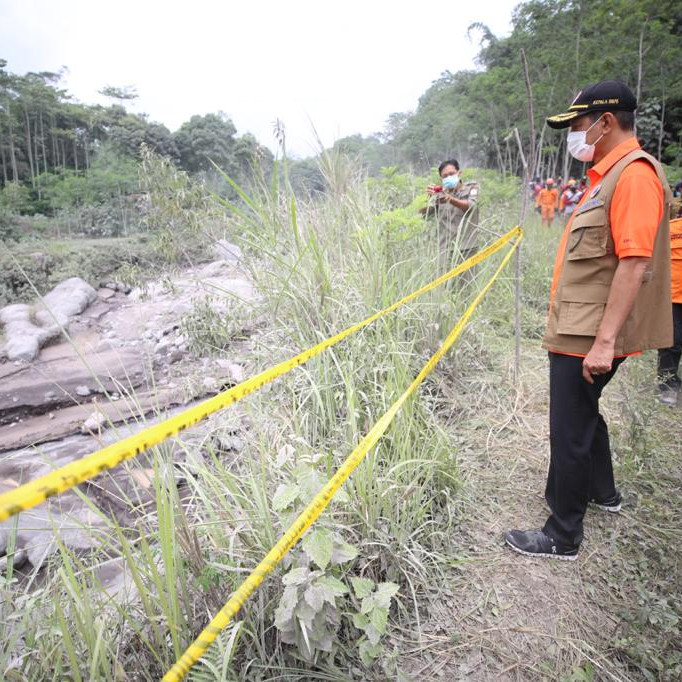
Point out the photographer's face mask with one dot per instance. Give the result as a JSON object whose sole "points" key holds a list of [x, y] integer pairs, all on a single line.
{"points": [[450, 181], [577, 143]]}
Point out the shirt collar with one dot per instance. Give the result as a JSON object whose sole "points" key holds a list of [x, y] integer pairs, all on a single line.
{"points": [[600, 169]]}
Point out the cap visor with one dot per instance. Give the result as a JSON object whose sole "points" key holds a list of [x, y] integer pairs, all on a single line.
{"points": [[563, 120]]}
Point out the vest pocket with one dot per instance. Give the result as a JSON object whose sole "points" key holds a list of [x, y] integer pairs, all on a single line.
{"points": [[581, 308], [588, 238]]}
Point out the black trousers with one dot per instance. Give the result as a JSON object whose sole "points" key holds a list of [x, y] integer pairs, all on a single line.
{"points": [[669, 358], [580, 466]]}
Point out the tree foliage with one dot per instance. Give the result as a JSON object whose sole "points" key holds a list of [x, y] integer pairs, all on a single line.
{"points": [[57, 153], [477, 116], [568, 44]]}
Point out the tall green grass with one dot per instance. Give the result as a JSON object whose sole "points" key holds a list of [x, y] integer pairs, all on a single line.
{"points": [[319, 265]]}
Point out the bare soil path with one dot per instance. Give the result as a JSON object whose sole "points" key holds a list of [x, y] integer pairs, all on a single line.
{"points": [[611, 615]]}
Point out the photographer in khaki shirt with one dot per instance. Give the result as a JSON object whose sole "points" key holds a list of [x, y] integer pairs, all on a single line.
{"points": [[610, 298], [455, 206]]}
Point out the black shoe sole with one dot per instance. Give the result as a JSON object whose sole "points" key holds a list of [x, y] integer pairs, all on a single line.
{"points": [[561, 557], [614, 509]]}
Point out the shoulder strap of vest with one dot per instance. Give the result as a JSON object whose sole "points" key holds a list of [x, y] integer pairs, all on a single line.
{"points": [[610, 180]]}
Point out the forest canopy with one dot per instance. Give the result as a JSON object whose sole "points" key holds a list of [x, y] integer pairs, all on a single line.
{"points": [[50, 144], [567, 44]]}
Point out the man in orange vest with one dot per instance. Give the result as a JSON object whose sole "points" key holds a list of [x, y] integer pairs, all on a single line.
{"points": [[548, 201], [669, 358], [610, 298]]}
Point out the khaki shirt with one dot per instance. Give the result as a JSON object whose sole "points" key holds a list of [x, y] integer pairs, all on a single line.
{"points": [[457, 228]]}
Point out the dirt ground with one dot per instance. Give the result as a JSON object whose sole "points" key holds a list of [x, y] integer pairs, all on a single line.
{"points": [[610, 615]]}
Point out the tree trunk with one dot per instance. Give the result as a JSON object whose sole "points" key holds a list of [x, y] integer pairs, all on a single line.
{"points": [[538, 156], [35, 146], [29, 145], [86, 143], [35, 154], [577, 45], [524, 209], [578, 36], [567, 159], [661, 130], [640, 62], [75, 153], [42, 142], [4, 164], [12, 154], [53, 140], [498, 151], [531, 135]]}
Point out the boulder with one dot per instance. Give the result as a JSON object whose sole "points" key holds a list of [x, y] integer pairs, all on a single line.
{"points": [[210, 384], [225, 443], [24, 338], [36, 533], [70, 297], [17, 312], [218, 268], [24, 348], [226, 251], [27, 334], [93, 423], [235, 372], [19, 558], [117, 583], [163, 346], [175, 356]]}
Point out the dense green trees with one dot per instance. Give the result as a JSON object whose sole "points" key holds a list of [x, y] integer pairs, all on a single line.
{"points": [[568, 43], [49, 144], [57, 154]]}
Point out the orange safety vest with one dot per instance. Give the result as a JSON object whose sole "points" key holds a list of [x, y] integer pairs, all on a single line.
{"points": [[676, 259], [548, 198]]}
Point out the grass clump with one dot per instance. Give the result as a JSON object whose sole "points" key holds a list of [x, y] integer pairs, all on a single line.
{"points": [[319, 265], [410, 535]]}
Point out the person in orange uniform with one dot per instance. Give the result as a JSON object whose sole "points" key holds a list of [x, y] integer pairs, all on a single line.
{"points": [[548, 201], [669, 358], [610, 298], [569, 199]]}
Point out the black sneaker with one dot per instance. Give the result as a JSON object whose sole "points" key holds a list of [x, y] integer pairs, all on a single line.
{"points": [[668, 395], [536, 543], [612, 505]]}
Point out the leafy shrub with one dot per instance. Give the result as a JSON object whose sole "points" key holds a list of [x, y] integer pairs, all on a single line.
{"points": [[212, 325]]}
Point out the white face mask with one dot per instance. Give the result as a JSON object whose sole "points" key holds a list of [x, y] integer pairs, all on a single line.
{"points": [[577, 144]]}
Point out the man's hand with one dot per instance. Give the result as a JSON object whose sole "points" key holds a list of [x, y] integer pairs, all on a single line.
{"points": [[431, 190], [626, 283], [598, 361]]}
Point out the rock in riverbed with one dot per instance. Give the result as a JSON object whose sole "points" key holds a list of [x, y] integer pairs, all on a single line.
{"points": [[28, 331]]}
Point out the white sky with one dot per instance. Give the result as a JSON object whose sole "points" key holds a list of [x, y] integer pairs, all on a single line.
{"points": [[344, 66]]}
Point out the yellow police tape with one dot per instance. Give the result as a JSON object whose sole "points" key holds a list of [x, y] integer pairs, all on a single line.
{"points": [[33, 493], [321, 500]]}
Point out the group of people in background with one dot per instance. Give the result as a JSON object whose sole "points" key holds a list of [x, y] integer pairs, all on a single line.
{"points": [[551, 197]]}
